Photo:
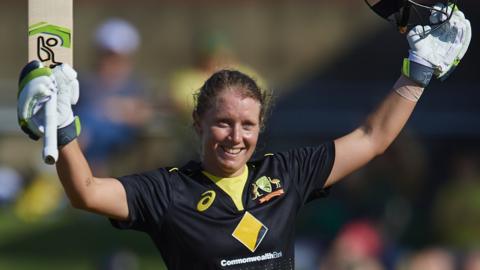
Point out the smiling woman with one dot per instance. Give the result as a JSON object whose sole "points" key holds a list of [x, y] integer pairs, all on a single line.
{"points": [[227, 211], [228, 115]]}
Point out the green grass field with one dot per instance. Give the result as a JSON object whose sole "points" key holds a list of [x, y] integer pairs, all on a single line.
{"points": [[73, 240]]}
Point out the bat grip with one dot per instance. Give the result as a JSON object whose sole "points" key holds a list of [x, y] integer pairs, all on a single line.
{"points": [[50, 150]]}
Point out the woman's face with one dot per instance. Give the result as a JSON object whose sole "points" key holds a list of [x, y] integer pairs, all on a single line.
{"points": [[229, 132]]}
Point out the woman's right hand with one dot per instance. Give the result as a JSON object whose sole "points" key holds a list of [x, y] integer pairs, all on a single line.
{"points": [[37, 85]]}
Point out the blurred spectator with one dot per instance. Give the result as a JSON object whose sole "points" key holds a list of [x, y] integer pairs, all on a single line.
{"points": [[213, 52], [11, 183], [472, 261], [113, 106], [307, 253], [358, 246], [42, 197], [429, 259]]}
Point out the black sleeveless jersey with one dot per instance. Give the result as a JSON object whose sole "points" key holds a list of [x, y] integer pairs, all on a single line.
{"points": [[196, 225]]}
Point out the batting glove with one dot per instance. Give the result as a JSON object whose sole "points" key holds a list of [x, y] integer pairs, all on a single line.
{"points": [[37, 85], [436, 52]]}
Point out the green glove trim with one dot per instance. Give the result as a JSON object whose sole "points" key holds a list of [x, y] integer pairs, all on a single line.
{"points": [[416, 72], [454, 6], [24, 126], [69, 133], [45, 71], [452, 68]]}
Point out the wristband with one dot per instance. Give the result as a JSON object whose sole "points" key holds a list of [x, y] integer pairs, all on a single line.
{"points": [[417, 72], [67, 134], [406, 88]]}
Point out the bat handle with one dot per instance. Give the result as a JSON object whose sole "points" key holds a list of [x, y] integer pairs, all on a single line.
{"points": [[50, 150]]}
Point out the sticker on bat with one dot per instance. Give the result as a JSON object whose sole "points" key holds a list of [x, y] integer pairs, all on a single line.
{"points": [[49, 37]]}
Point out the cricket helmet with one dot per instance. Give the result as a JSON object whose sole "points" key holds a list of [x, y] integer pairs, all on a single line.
{"points": [[405, 14]]}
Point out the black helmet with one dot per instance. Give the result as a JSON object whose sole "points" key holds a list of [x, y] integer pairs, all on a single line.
{"points": [[405, 14]]}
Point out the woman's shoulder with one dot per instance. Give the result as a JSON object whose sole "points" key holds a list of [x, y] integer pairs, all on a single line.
{"points": [[326, 146]]}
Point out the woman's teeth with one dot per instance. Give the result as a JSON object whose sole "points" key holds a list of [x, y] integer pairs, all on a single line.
{"points": [[232, 151]]}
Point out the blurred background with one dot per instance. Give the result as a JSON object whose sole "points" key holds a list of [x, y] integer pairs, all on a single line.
{"points": [[328, 63]]}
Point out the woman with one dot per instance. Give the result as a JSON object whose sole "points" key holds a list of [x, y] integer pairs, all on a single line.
{"points": [[225, 212]]}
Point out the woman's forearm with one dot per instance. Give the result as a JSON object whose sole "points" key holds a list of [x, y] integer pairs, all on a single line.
{"points": [[74, 173], [385, 123]]}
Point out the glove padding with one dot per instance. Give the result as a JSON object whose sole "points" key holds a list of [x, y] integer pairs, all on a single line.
{"points": [[440, 48], [67, 95], [36, 87]]}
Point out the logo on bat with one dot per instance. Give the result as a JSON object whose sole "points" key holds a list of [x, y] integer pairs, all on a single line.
{"points": [[50, 36]]}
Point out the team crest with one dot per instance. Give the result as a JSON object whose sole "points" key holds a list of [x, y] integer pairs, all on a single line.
{"points": [[265, 188]]}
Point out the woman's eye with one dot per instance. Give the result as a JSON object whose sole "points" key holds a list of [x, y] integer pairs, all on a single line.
{"points": [[248, 126], [222, 124]]}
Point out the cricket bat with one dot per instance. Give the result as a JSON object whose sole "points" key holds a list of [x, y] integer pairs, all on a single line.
{"points": [[50, 36]]}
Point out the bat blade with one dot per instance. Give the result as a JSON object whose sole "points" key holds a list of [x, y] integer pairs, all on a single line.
{"points": [[50, 36], [50, 31]]}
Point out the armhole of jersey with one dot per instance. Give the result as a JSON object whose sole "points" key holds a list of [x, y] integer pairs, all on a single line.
{"points": [[330, 149], [325, 191]]}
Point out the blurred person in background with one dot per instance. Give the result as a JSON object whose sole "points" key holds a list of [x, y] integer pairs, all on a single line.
{"points": [[358, 246], [429, 259], [212, 52], [472, 260], [11, 184], [42, 197], [225, 211], [113, 105]]}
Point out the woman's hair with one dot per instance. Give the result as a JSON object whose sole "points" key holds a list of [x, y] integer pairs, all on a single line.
{"points": [[224, 79]]}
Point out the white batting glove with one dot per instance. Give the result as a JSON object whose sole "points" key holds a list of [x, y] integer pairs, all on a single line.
{"points": [[37, 85], [436, 52], [67, 95]]}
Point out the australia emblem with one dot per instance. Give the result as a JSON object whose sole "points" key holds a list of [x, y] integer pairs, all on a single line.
{"points": [[266, 188]]}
